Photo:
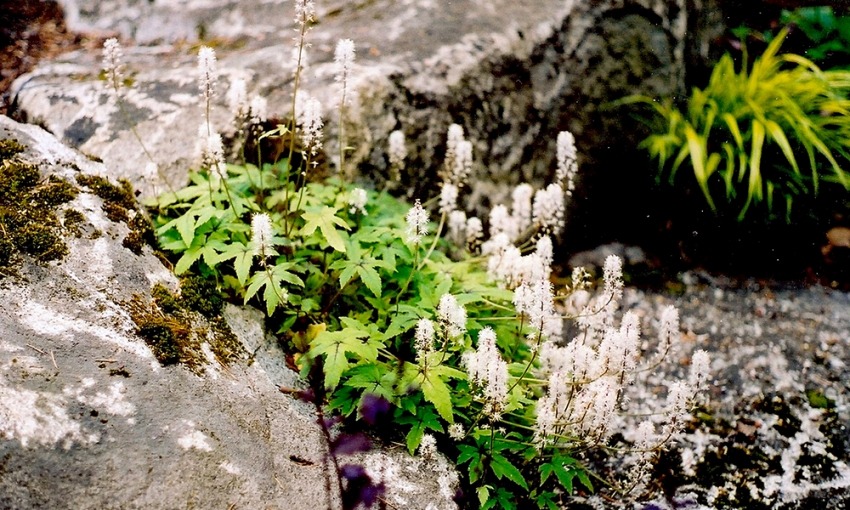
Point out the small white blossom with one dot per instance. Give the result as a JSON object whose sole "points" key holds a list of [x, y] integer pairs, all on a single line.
{"points": [[357, 199], [548, 209], [612, 275], [679, 396], [521, 209], [474, 233], [453, 138], [427, 446], [305, 12], [424, 337], [309, 117], [700, 369], [457, 227], [668, 328], [112, 55], [501, 221], [536, 301], [261, 235], [207, 70], [448, 198], [458, 160], [417, 223], [344, 59], [545, 251], [645, 437], [210, 147], [496, 244], [397, 152], [567, 163], [452, 316], [259, 109], [456, 431], [489, 371]]}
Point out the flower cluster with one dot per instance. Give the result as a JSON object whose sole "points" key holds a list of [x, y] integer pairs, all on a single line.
{"points": [[417, 223], [308, 115], [567, 162], [357, 199], [458, 162], [452, 316], [344, 59], [261, 236], [587, 376], [207, 68], [112, 66], [488, 371], [397, 154]]}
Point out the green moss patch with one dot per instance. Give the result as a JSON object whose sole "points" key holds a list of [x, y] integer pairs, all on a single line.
{"points": [[9, 148], [28, 221], [175, 326]]}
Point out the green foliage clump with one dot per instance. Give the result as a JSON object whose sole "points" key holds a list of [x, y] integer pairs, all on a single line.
{"points": [[761, 135], [346, 289], [818, 33]]}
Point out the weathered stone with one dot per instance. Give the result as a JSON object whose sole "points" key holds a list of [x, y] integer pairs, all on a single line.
{"points": [[90, 419], [512, 73]]}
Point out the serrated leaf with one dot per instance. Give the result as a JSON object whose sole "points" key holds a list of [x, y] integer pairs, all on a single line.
{"points": [[242, 263], [189, 257], [335, 347], [185, 226], [401, 323], [414, 437], [325, 220], [436, 392], [370, 278], [346, 274], [502, 467], [274, 294], [483, 494]]}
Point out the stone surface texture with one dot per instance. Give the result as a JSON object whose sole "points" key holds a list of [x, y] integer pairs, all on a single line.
{"points": [[512, 73], [89, 419]]}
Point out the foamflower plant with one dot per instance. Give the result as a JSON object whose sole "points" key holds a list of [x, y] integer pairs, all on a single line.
{"points": [[451, 327]]}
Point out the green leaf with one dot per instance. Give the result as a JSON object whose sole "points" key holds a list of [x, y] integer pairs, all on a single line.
{"points": [[346, 274], [502, 467], [371, 278], [185, 226], [435, 390], [189, 257], [372, 378], [325, 220], [335, 347], [242, 263], [270, 279], [483, 494]]}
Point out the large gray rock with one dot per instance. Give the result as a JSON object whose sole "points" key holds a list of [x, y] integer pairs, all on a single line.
{"points": [[90, 419], [512, 73]]}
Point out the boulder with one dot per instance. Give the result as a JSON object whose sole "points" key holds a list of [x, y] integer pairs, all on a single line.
{"points": [[89, 416], [512, 73]]}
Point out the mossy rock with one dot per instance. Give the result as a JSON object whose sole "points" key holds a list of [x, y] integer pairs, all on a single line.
{"points": [[201, 295], [28, 219], [10, 148], [162, 341], [176, 326]]}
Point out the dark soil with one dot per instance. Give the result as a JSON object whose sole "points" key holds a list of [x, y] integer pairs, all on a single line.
{"points": [[30, 30]]}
